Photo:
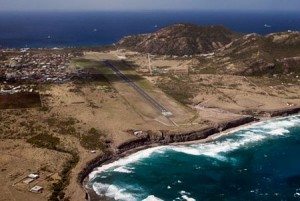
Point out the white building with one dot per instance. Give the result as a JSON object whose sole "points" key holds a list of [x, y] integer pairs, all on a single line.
{"points": [[37, 189]]}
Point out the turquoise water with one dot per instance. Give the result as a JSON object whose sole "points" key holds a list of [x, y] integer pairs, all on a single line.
{"points": [[258, 162]]}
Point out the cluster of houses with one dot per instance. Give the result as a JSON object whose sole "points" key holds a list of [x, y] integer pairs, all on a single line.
{"points": [[36, 66], [29, 179], [12, 89]]}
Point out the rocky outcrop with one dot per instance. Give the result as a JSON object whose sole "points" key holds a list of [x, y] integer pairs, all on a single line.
{"points": [[180, 40], [189, 136], [273, 113], [134, 143], [167, 137], [285, 111]]}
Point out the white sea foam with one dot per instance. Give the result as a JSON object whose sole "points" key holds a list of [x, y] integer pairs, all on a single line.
{"points": [[125, 161], [246, 136], [214, 149], [279, 131], [152, 198], [112, 191], [117, 193], [185, 197], [184, 193], [123, 170], [279, 124]]}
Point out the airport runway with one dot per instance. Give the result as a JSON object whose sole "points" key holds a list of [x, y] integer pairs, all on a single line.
{"points": [[144, 94]]}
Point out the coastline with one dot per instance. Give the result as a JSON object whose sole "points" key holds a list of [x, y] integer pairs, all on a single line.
{"points": [[88, 97], [201, 136]]}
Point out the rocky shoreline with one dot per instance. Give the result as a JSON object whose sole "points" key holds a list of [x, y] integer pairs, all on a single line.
{"points": [[164, 138]]}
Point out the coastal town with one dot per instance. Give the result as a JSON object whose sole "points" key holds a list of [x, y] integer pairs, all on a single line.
{"points": [[36, 66], [23, 68]]}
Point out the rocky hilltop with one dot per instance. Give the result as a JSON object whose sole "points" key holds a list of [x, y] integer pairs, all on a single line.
{"points": [[180, 39], [231, 53]]}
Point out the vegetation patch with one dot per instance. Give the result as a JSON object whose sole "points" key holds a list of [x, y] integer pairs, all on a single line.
{"points": [[178, 87], [44, 141], [93, 140], [64, 127]]}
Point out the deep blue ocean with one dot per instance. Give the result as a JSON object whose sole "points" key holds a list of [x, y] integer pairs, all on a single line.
{"points": [[70, 29], [260, 162]]}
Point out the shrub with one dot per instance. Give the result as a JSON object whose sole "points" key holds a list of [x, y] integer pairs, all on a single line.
{"points": [[44, 141], [92, 140]]}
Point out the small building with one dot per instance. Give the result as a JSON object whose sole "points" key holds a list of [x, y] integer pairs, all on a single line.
{"points": [[37, 189], [28, 180], [33, 176], [138, 133], [122, 57], [167, 113]]}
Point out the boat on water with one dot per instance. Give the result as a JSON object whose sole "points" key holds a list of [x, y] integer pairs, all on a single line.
{"points": [[267, 26]]}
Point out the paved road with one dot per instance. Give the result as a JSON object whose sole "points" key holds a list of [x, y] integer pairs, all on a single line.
{"points": [[144, 94]]}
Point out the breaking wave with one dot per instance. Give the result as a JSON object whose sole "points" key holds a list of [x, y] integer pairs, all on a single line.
{"points": [[152, 198], [124, 170], [120, 165], [186, 196], [113, 191], [118, 193]]}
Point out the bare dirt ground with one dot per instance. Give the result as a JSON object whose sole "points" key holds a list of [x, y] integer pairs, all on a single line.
{"points": [[245, 93], [17, 160]]}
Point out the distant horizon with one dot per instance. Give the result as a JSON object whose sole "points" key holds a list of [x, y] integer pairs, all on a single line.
{"points": [[77, 28], [153, 5], [152, 10]]}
